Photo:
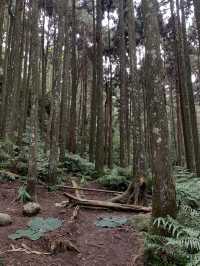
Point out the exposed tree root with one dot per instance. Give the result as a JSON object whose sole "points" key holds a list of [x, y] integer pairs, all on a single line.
{"points": [[135, 193], [75, 214], [60, 245]]}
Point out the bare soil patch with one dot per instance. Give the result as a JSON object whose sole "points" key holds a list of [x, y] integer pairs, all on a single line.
{"points": [[97, 246]]}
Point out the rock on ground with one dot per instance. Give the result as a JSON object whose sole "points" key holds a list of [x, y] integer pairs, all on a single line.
{"points": [[31, 208], [5, 219]]}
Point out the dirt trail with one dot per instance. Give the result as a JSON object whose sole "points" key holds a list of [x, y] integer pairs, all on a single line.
{"points": [[98, 246]]}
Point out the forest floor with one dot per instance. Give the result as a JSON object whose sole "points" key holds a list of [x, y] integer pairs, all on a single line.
{"points": [[122, 246]]}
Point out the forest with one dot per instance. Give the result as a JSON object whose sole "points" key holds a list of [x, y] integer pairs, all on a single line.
{"points": [[100, 132]]}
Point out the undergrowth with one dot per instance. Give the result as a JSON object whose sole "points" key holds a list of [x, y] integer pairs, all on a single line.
{"points": [[116, 179], [78, 166], [188, 187], [23, 195], [14, 159], [181, 245]]}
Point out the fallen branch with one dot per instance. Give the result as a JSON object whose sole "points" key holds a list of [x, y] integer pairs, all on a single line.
{"points": [[94, 208], [77, 190], [8, 173], [107, 204], [24, 249], [62, 204]]}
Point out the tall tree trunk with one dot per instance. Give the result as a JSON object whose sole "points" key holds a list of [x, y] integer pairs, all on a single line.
{"points": [[164, 195], [44, 55], [16, 67], [99, 162], [192, 109], [93, 108], [34, 84], [134, 88], [72, 124], [56, 92], [109, 105], [182, 88], [25, 90], [197, 17], [138, 151], [65, 87], [2, 16], [6, 76], [84, 101], [184, 100], [123, 90], [178, 82], [173, 133]]}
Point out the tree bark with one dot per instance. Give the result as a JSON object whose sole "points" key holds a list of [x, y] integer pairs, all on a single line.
{"points": [[34, 85], [99, 162], [73, 115], [56, 92], [164, 195], [192, 110], [123, 112], [93, 107], [65, 87]]}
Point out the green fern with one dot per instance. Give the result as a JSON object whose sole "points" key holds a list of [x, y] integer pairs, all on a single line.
{"points": [[182, 245], [117, 179], [23, 195], [187, 192]]}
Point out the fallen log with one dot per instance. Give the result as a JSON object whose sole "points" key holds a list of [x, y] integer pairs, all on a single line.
{"points": [[107, 204], [90, 189]]}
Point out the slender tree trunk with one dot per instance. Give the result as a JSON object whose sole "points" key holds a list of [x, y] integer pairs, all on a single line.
{"points": [[109, 105], [44, 55], [134, 87], [84, 108], [173, 133]]}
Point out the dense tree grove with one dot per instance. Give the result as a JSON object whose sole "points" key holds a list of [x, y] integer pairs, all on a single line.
{"points": [[116, 81]]}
